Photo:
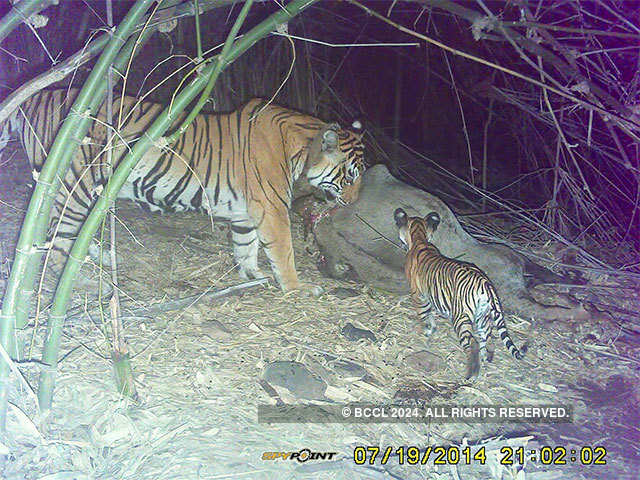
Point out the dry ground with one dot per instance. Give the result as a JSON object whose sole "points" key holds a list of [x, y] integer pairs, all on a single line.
{"points": [[198, 373]]}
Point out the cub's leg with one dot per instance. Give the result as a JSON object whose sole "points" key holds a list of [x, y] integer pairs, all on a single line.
{"points": [[484, 326], [245, 247], [464, 330], [424, 310]]}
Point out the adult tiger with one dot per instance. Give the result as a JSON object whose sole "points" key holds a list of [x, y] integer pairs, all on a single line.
{"points": [[458, 290], [239, 166]]}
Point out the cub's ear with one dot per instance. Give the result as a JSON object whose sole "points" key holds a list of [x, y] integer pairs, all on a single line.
{"points": [[433, 220], [400, 216], [330, 138], [357, 128]]}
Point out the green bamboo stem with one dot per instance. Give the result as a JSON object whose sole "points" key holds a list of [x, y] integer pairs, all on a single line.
{"points": [[215, 73], [124, 375], [92, 223], [26, 292], [121, 362], [20, 12], [27, 284], [198, 37], [67, 141]]}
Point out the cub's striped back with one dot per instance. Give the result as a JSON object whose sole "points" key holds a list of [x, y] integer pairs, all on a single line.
{"points": [[239, 166], [457, 290]]}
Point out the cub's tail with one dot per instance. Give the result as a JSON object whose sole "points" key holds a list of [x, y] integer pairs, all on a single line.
{"points": [[506, 338]]}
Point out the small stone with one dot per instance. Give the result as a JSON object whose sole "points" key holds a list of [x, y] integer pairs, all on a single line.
{"points": [[354, 333], [215, 329], [296, 378], [545, 387], [349, 370], [343, 292]]}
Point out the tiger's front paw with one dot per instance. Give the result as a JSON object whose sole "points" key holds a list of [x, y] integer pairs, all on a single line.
{"points": [[307, 290]]}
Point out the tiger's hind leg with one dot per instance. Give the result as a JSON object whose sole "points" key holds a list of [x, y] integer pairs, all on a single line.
{"points": [[424, 308], [245, 247], [486, 352], [70, 209], [463, 327], [483, 328]]}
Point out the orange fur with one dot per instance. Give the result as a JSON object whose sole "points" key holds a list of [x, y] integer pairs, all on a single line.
{"points": [[247, 161]]}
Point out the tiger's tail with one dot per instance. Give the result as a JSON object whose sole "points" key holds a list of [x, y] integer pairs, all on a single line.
{"points": [[506, 338]]}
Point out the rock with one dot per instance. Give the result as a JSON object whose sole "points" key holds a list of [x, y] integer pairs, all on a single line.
{"points": [[354, 333], [215, 329], [362, 235], [296, 378], [343, 292], [349, 370]]}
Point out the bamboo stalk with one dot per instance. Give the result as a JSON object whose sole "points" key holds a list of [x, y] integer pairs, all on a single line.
{"points": [[20, 13], [25, 297], [124, 375], [198, 37], [121, 362], [180, 303], [397, 105], [559, 28], [151, 136], [173, 9], [36, 220], [485, 151], [215, 73]]}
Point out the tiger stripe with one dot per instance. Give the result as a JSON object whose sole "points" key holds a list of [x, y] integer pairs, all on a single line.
{"points": [[239, 166]]}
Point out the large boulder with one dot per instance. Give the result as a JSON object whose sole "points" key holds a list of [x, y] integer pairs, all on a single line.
{"points": [[364, 237]]}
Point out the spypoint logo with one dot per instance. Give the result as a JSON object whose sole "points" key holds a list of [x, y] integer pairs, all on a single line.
{"points": [[302, 456]]}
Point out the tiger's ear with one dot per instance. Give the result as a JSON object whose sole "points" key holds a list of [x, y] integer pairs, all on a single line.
{"points": [[400, 216], [433, 220], [330, 138], [357, 128]]}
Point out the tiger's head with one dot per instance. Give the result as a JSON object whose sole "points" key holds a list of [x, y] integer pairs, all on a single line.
{"points": [[337, 163], [415, 229]]}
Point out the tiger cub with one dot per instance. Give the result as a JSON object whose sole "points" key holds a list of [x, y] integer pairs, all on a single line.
{"points": [[455, 289]]}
